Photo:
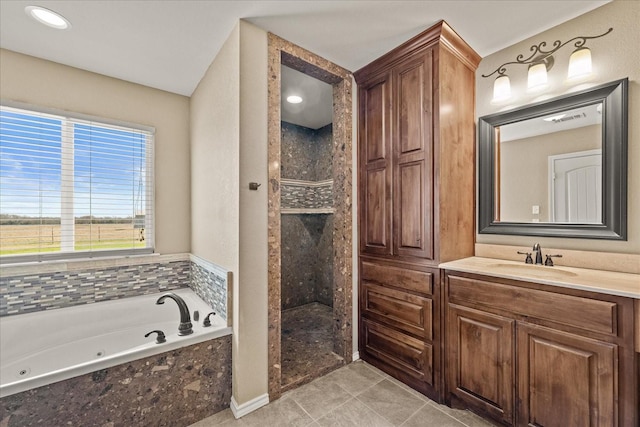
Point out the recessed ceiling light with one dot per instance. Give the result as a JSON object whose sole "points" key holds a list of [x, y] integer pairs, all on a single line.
{"points": [[47, 17], [294, 99]]}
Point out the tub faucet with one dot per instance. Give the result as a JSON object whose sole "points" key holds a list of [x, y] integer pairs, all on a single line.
{"points": [[185, 327]]}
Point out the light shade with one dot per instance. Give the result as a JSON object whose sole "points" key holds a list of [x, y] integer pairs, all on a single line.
{"points": [[501, 89], [579, 63], [537, 76], [294, 99]]}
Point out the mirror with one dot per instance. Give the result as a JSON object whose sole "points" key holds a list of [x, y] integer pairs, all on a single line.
{"points": [[557, 168]]}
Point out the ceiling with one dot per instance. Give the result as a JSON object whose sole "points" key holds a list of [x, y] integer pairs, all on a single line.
{"points": [[168, 44], [316, 108]]}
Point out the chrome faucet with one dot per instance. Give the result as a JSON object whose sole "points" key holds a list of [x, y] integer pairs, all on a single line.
{"points": [[185, 327]]}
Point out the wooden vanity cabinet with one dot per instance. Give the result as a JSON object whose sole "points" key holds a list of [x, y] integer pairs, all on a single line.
{"points": [[416, 170], [526, 354]]}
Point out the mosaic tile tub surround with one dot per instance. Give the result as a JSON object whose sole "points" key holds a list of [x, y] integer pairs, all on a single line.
{"points": [[51, 286], [211, 283]]}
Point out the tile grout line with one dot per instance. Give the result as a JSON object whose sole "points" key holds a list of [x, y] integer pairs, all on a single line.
{"points": [[416, 411], [451, 416], [377, 413]]}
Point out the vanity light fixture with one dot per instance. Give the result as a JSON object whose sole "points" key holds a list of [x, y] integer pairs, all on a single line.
{"points": [[579, 63], [294, 99], [541, 60], [501, 89], [537, 76], [47, 17]]}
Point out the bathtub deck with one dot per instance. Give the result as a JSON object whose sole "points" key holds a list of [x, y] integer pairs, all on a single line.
{"points": [[307, 344]]}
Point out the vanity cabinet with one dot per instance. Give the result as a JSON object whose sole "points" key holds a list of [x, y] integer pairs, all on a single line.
{"points": [[416, 163], [527, 354]]}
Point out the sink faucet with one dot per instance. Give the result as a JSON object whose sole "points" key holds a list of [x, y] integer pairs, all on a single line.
{"points": [[185, 327], [538, 251]]}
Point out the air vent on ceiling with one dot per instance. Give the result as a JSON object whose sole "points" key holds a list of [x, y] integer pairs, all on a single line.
{"points": [[567, 118]]}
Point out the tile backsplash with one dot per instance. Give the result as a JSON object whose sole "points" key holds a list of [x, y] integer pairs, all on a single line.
{"points": [[32, 289]]}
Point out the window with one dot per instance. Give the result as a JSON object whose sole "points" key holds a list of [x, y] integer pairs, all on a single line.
{"points": [[71, 187]]}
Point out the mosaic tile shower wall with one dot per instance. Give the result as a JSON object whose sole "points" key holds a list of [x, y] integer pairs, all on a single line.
{"points": [[307, 200]]}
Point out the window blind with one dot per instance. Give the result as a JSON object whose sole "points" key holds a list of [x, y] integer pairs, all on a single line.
{"points": [[71, 187]]}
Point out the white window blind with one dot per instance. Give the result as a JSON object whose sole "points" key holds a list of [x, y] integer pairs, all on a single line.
{"points": [[71, 187]]}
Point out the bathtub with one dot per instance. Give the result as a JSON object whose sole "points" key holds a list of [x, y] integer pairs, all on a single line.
{"points": [[45, 347]]}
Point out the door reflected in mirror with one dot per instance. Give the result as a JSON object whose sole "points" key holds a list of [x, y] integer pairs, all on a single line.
{"points": [[549, 168]]}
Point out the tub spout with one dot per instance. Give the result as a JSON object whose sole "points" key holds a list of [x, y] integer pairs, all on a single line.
{"points": [[185, 327]]}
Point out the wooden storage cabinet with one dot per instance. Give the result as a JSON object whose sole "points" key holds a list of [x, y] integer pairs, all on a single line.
{"points": [[482, 344], [399, 322], [527, 354], [416, 197], [565, 379]]}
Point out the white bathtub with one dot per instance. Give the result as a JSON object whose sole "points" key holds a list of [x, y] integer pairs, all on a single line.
{"points": [[41, 348]]}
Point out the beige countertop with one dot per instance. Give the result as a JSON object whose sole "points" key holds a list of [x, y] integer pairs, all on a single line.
{"points": [[606, 282]]}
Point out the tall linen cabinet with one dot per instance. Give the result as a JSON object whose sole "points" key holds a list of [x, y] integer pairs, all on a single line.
{"points": [[416, 171]]}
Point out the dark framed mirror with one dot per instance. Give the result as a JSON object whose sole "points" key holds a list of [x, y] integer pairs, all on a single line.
{"points": [[556, 168]]}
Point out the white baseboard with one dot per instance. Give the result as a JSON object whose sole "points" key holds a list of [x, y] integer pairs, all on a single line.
{"points": [[355, 356], [248, 407]]}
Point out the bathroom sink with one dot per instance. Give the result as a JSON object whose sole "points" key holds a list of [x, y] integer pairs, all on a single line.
{"points": [[539, 271]]}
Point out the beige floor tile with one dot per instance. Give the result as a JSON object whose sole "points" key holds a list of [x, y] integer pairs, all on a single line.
{"points": [[319, 397], [353, 413], [429, 416], [355, 377], [282, 412], [391, 401], [466, 417], [221, 418]]}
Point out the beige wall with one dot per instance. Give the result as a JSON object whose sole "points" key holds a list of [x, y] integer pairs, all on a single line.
{"points": [[250, 355], [615, 56], [47, 84], [229, 222], [215, 154], [524, 170]]}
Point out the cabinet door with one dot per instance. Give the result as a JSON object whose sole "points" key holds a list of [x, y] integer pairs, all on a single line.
{"points": [[565, 380], [480, 348], [412, 151], [375, 166]]}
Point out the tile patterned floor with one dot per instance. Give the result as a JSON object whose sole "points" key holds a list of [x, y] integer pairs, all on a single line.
{"points": [[307, 344], [355, 395]]}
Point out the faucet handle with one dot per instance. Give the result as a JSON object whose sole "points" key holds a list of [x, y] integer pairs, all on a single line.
{"points": [[549, 262], [207, 320], [528, 259], [160, 339]]}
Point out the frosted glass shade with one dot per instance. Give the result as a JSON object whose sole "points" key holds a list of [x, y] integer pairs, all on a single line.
{"points": [[537, 76], [579, 63], [501, 89]]}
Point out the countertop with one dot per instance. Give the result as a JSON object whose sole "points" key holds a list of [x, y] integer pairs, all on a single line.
{"points": [[606, 282]]}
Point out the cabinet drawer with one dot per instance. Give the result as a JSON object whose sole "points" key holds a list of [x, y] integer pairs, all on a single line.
{"points": [[584, 313], [410, 355], [411, 280], [409, 312]]}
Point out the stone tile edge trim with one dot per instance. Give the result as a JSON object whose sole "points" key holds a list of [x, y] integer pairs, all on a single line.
{"points": [[213, 284]]}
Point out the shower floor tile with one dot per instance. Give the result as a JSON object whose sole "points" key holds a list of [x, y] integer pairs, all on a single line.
{"points": [[307, 344]]}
